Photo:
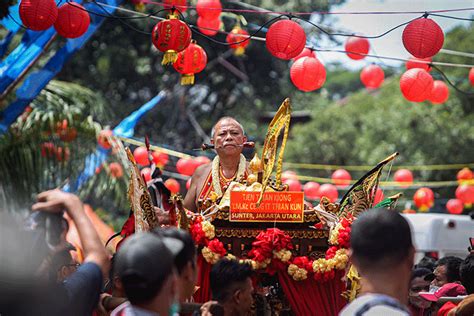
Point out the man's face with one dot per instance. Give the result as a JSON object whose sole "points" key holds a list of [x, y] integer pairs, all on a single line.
{"points": [[228, 138], [246, 298], [440, 276], [418, 285]]}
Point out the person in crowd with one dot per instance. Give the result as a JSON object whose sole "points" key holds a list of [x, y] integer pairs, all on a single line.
{"points": [[114, 294], [427, 262], [184, 261], [228, 138], [383, 253], [231, 287], [62, 265], [446, 271], [419, 282], [145, 266]]}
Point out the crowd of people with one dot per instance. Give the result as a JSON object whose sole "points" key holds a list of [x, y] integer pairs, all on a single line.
{"points": [[155, 273]]}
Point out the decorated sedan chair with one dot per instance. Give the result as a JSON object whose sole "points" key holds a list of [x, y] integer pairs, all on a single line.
{"points": [[299, 253]]}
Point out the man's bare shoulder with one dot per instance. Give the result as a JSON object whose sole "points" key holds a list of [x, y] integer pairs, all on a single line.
{"points": [[202, 170]]}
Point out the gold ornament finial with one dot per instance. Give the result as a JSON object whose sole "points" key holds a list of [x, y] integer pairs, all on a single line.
{"points": [[255, 165]]}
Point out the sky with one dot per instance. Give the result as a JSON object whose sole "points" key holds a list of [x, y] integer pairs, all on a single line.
{"points": [[390, 44]]}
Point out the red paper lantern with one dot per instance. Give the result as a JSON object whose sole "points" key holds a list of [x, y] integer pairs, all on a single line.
{"points": [[341, 177], [306, 52], [465, 193], [288, 174], [454, 206], [471, 76], [201, 160], [209, 27], [38, 15], [190, 61], [404, 177], [416, 85], [188, 184], [330, 191], [378, 196], [293, 184], [372, 76], [238, 39], [424, 199], [103, 139], [160, 158], [285, 39], [209, 9], [146, 174], [439, 93], [172, 185], [116, 170], [311, 190], [141, 156], [73, 20], [423, 38], [464, 175], [171, 36], [186, 166], [356, 48], [181, 5], [308, 74], [414, 62]]}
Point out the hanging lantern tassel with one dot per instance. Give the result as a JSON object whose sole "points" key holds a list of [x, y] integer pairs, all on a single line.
{"points": [[171, 36], [169, 57], [187, 80]]}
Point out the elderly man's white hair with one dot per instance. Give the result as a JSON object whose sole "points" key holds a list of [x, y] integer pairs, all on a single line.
{"points": [[226, 118]]}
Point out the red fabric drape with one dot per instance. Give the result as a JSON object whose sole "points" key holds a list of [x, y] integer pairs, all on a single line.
{"points": [[203, 294], [310, 297]]}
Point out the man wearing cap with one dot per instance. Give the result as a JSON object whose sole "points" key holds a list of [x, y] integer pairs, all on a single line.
{"points": [[383, 253], [145, 265]]}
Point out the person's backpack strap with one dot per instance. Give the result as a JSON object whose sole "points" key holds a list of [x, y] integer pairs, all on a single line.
{"points": [[379, 301]]}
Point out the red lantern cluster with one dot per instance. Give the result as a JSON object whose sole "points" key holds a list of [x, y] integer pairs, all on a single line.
{"points": [[306, 52], [171, 36], [311, 190], [209, 12], [190, 61], [181, 5], [103, 139], [160, 158], [285, 39], [423, 38], [422, 63], [38, 15], [293, 184], [464, 175], [465, 193], [308, 74], [372, 76], [454, 206], [424, 199], [439, 93], [416, 85], [172, 185], [238, 39], [116, 170], [330, 191], [471, 76], [341, 177], [356, 48], [404, 177], [141, 156], [186, 166], [73, 20]]}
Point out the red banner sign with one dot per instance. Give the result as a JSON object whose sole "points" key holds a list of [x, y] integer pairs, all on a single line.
{"points": [[286, 207]]}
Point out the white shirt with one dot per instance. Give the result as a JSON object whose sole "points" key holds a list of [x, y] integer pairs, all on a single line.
{"points": [[375, 305]]}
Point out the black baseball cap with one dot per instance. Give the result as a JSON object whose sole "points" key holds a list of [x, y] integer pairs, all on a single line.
{"points": [[144, 262]]}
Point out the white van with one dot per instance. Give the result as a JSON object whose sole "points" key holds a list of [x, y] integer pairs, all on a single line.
{"points": [[441, 234]]}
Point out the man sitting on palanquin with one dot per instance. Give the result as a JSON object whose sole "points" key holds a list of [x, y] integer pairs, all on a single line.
{"points": [[211, 180]]}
